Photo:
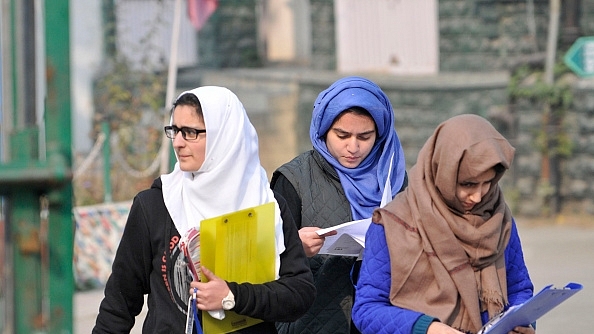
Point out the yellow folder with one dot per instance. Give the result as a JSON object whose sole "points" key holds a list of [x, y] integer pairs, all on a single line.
{"points": [[238, 247]]}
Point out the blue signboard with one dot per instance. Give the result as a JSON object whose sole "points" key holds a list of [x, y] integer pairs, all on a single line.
{"points": [[580, 57]]}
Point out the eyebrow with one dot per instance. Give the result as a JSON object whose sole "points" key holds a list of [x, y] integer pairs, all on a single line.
{"points": [[358, 134]]}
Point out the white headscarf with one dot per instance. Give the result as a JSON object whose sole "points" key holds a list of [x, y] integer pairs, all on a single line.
{"points": [[231, 177]]}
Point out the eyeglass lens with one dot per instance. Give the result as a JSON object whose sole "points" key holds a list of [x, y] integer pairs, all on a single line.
{"points": [[187, 133]]}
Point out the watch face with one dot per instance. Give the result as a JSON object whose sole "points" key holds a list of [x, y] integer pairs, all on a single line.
{"points": [[228, 304], [229, 301]]}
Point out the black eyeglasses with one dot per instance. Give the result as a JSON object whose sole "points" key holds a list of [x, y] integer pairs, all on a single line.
{"points": [[187, 133]]}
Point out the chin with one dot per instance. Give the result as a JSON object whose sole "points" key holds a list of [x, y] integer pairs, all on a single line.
{"points": [[186, 168], [351, 165]]}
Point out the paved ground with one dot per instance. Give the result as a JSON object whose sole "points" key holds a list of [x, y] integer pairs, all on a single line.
{"points": [[558, 255], [86, 306], [555, 254]]}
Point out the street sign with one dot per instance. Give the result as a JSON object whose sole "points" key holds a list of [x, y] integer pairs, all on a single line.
{"points": [[580, 57]]}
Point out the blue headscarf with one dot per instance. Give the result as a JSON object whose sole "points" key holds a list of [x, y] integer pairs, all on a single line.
{"points": [[363, 185]]}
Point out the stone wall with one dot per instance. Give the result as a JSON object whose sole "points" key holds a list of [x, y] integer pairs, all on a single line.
{"points": [[323, 33], [578, 171], [487, 35], [585, 21], [230, 36]]}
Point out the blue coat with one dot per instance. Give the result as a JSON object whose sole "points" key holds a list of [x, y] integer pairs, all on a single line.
{"points": [[373, 312]]}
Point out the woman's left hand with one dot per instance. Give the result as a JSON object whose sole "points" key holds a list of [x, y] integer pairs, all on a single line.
{"points": [[209, 295], [523, 330]]}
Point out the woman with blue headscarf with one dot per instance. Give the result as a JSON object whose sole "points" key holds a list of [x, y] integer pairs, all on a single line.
{"points": [[356, 157]]}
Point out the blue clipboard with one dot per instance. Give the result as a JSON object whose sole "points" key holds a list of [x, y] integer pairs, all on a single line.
{"points": [[528, 312]]}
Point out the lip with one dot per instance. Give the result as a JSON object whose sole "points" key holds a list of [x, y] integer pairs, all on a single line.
{"points": [[351, 159], [468, 206]]}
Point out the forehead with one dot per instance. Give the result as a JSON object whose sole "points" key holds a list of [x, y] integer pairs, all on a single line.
{"points": [[352, 121], [186, 114], [484, 176]]}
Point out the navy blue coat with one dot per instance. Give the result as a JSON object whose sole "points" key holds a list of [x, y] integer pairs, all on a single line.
{"points": [[373, 312]]}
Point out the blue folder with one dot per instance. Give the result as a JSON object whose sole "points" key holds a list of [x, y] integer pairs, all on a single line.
{"points": [[528, 312]]}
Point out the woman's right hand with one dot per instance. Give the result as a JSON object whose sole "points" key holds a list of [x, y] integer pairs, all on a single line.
{"points": [[441, 328], [311, 241]]}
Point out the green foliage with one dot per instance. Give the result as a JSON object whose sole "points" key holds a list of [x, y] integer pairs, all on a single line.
{"points": [[528, 83], [132, 82], [129, 94], [122, 94], [132, 102]]}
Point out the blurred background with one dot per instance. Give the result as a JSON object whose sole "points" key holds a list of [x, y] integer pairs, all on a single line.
{"points": [[87, 86]]}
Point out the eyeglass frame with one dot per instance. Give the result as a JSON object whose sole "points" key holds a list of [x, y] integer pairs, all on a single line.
{"points": [[185, 130]]}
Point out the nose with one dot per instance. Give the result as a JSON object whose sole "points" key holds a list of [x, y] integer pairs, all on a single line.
{"points": [[476, 196], [178, 140], [353, 145]]}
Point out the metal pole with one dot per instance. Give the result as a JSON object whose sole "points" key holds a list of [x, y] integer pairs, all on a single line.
{"points": [[23, 203], [552, 40], [59, 143], [27, 269], [550, 168], [107, 198], [164, 152]]}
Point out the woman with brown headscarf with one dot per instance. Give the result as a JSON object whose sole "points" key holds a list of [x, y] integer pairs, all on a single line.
{"points": [[445, 256]]}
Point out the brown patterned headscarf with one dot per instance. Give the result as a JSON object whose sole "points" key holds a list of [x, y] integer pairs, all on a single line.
{"points": [[445, 262]]}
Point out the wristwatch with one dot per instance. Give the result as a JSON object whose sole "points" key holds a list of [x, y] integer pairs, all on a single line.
{"points": [[229, 301]]}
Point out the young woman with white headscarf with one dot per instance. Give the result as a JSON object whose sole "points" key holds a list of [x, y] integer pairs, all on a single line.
{"points": [[218, 171]]}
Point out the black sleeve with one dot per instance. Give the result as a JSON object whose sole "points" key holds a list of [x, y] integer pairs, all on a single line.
{"points": [[281, 185], [129, 280], [287, 298], [404, 182]]}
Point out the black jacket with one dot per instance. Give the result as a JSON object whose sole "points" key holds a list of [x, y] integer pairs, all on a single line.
{"points": [[145, 264]]}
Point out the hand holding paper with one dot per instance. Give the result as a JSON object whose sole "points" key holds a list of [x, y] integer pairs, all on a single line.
{"points": [[312, 241], [349, 239]]}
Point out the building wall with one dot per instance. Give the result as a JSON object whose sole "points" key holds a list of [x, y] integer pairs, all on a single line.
{"points": [[488, 35], [230, 36], [483, 35], [323, 43], [577, 188], [585, 21], [478, 35]]}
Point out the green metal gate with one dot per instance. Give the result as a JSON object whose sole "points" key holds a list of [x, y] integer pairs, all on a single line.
{"points": [[35, 170]]}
